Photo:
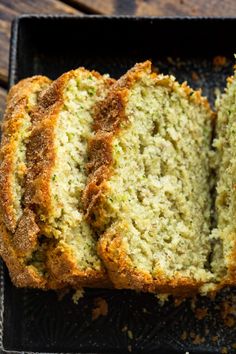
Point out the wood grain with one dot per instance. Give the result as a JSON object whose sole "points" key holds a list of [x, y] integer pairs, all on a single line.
{"points": [[3, 94], [160, 7], [11, 8]]}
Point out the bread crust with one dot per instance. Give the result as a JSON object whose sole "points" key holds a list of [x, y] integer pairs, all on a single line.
{"points": [[230, 278], [62, 265], [23, 275], [41, 156], [17, 107], [109, 116], [124, 276], [18, 238]]}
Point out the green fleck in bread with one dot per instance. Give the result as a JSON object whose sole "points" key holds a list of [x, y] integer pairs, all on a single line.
{"points": [[57, 155], [17, 124], [149, 186], [224, 235]]}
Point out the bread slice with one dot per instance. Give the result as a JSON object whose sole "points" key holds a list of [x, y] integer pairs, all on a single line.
{"points": [[224, 235], [57, 155], [16, 127], [149, 186], [15, 246]]}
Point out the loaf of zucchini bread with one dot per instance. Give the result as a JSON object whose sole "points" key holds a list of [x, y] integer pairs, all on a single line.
{"points": [[106, 183]]}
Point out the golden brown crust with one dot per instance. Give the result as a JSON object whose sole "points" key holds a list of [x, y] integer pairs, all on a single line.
{"points": [[25, 238], [100, 153], [124, 275], [109, 116], [17, 107], [110, 112], [41, 157], [21, 274], [230, 277], [62, 265]]}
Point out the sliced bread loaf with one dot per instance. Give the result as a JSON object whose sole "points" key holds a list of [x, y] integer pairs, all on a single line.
{"points": [[149, 186], [57, 155], [16, 127]]}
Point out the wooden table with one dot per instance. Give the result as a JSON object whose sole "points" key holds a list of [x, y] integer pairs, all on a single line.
{"points": [[11, 8]]}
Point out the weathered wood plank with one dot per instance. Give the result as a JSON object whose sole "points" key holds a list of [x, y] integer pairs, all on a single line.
{"points": [[11, 8], [3, 94], [160, 7]]}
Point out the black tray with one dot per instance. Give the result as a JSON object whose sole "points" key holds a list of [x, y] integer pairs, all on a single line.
{"points": [[35, 321]]}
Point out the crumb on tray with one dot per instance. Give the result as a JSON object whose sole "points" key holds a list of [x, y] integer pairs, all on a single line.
{"points": [[195, 76], [79, 293], [184, 335], [201, 313], [219, 60], [100, 309]]}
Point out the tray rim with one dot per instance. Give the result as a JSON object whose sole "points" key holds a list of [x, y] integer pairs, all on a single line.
{"points": [[12, 71]]}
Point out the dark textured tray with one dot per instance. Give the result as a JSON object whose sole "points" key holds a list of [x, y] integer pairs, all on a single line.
{"points": [[35, 321]]}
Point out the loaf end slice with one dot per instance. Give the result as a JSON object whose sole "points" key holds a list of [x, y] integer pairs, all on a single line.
{"points": [[17, 240], [16, 127]]}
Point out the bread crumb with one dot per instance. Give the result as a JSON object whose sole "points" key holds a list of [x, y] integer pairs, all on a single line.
{"points": [[162, 298], [219, 60], [101, 308], [184, 335], [201, 313], [224, 350], [124, 329], [178, 301], [130, 334], [214, 338], [195, 76], [193, 303], [79, 293], [62, 293], [198, 339], [227, 312], [170, 60], [229, 322]]}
